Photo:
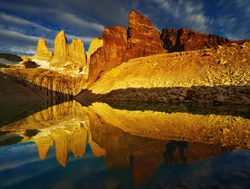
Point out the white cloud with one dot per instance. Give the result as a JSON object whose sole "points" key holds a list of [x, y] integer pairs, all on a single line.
{"points": [[84, 39], [74, 20], [14, 20], [188, 13]]}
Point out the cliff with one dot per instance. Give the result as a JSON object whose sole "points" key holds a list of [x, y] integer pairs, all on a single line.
{"points": [[44, 82], [77, 54], [95, 44], [121, 44], [185, 39], [60, 50]]}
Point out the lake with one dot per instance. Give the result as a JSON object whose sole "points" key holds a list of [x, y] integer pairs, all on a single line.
{"points": [[125, 145]]}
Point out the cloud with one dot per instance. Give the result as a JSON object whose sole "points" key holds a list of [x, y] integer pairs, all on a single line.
{"points": [[74, 20], [18, 43], [187, 13], [5, 19], [15, 38], [234, 19]]}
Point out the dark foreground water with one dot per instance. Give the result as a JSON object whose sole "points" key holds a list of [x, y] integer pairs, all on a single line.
{"points": [[107, 146]]}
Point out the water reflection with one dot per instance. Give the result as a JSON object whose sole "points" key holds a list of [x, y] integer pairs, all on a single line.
{"points": [[141, 140]]}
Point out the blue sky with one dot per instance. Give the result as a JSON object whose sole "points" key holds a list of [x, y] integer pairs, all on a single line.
{"points": [[23, 22]]}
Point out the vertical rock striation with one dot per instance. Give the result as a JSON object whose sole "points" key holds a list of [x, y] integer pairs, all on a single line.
{"points": [[70, 57], [77, 53], [42, 52], [95, 44], [60, 50], [143, 38]]}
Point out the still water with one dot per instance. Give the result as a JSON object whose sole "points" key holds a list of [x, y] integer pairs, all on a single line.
{"points": [[101, 145]]}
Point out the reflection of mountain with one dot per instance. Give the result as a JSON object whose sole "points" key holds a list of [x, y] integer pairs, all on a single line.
{"points": [[141, 140], [209, 129]]}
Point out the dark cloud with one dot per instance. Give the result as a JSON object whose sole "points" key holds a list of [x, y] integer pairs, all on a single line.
{"points": [[27, 20]]}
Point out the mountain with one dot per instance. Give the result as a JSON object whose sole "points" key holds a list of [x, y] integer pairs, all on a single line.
{"points": [[42, 52], [68, 60], [217, 75], [121, 44], [139, 63]]}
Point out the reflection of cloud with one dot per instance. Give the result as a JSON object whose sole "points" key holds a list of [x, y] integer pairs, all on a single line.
{"points": [[29, 148]]}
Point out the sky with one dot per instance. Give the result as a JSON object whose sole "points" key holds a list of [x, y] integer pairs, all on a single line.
{"points": [[23, 22]]}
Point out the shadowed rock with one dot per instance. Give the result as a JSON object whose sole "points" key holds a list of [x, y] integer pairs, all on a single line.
{"points": [[185, 39]]}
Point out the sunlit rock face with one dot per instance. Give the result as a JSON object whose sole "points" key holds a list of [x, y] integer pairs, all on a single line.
{"points": [[77, 53], [95, 44], [111, 54], [42, 52], [185, 39], [143, 38], [67, 60], [45, 82], [60, 50], [120, 45]]}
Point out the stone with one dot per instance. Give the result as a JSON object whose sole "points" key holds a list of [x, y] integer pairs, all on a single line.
{"points": [[222, 61], [60, 50], [42, 51], [185, 39], [77, 54], [29, 64]]}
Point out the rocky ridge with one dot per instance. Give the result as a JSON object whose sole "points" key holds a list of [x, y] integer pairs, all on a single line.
{"points": [[185, 39]]}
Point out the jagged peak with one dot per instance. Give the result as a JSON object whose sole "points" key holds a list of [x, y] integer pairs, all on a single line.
{"points": [[137, 18], [61, 32], [133, 12]]}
